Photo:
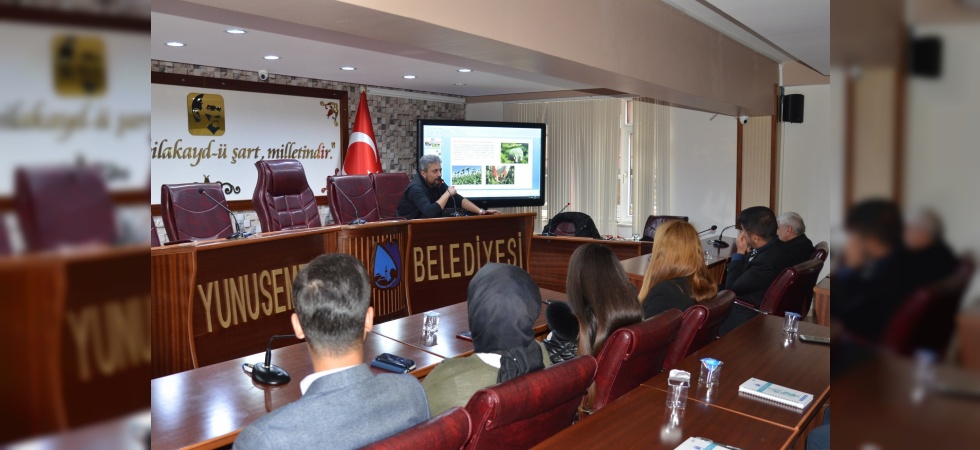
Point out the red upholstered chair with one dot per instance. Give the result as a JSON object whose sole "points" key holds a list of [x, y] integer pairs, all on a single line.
{"points": [[522, 412], [654, 221], [192, 216], [58, 206], [350, 193], [565, 229], [633, 355], [699, 327], [820, 251], [447, 431], [926, 319], [792, 290], [282, 198], [389, 189]]}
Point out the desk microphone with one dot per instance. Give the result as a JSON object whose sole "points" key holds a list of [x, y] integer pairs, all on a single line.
{"points": [[456, 212], [269, 373], [357, 217], [713, 228], [548, 231], [238, 229], [717, 242]]}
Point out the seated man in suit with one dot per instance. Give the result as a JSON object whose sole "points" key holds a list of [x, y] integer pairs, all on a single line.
{"points": [[751, 273], [427, 195], [931, 255], [792, 231], [344, 405]]}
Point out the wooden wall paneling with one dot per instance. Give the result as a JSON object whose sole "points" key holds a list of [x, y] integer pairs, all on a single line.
{"points": [[172, 280]]}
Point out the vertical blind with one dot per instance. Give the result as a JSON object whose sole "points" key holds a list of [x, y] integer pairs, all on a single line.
{"points": [[651, 161]]}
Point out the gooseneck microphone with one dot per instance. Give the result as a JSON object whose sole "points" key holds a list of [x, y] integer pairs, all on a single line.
{"points": [[269, 373], [456, 212], [713, 228], [547, 231], [238, 228], [357, 217], [717, 242]]}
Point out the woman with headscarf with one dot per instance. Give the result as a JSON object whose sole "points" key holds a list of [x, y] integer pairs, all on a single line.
{"points": [[503, 303]]}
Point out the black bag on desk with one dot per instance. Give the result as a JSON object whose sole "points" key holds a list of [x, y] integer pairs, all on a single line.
{"points": [[584, 226]]}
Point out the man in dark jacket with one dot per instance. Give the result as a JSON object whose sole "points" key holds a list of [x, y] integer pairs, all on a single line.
{"points": [[758, 260], [427, 195], [792, 231], [931, 257]]}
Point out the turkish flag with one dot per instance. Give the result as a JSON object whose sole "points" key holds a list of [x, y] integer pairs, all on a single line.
{"points": [[362, 152]]}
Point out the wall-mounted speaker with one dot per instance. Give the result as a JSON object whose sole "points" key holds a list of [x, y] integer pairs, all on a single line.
{"points": [[926, 57], [791, 109]]}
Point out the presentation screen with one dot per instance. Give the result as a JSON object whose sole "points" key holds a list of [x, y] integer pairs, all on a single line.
{"points": [[491, 163]]}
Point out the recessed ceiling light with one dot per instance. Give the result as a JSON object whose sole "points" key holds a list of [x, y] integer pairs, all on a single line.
{"points": [[464, 70], [235, 31], [271, 57], [459, 84], [175, 44], [408, 77], [348, 68]]}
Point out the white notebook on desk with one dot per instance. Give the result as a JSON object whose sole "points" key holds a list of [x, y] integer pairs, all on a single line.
{"points": [[776, 393]]}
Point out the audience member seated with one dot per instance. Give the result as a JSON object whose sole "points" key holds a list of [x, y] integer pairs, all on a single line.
{"points": [[876, 273], [428, 195], [562, 341], [932, 258], [792, 231], [602, 299], [677, 277], [502, 302], [758, 259], [344, 405]]}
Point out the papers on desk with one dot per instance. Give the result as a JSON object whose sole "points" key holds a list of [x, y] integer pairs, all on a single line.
{"points": [[775, 393], [699, 443]]}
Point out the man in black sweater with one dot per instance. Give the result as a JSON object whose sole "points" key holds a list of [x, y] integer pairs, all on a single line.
{"points": [[427, 195], [931, 256], [759, 258], [792, 231]]}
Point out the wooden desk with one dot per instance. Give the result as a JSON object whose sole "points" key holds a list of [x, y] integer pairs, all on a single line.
{"points": [[640, 419], [550, 254], [821, 302], [874, 407], [636, 267], [208, 407], [968, 336], [453, 320], [75, 327], [756, 350], [217, 300]]}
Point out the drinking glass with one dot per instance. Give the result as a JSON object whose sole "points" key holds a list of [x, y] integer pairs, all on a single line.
{"points": [[710, 372], [677, 385], [430, 322], [791, 322]]}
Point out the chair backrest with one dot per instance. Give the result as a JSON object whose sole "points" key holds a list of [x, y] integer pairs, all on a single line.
{"points": [[926, 319], [66, 205], [655, 221], [389, 189], [350, 193], [699, 327], [792, 290], [447, 431], [634, 354], [820, 251], [190, 215], [566, 228], [282, 198], [526, 410], [154, 236]]}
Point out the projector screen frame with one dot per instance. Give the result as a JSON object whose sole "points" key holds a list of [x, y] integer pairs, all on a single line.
{"points": [[491, 202]]}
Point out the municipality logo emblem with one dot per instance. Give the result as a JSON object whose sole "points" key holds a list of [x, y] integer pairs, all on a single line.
{"points": [[387, 265]]}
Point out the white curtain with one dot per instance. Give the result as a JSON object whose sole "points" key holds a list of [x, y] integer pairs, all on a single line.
{"points": [[582, 149], [651, 161]]}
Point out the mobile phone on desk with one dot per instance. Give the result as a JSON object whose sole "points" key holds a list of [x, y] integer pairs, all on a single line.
{"points": [[815, 339], [393, 363], [465, 335]]}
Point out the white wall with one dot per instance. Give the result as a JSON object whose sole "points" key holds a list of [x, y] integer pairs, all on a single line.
{"points": [[702, 168], [806, 163], [490, 111], [942, 134]]}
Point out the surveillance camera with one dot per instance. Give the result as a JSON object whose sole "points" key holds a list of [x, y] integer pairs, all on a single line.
{"points": [[263, 74], [743, 119]]}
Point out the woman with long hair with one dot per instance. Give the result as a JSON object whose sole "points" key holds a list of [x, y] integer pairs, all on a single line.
{"points": [[677, 277], [602, 299]]}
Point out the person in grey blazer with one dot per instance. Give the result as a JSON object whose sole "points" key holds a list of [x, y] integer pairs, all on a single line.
{"points": [[344, 405]]}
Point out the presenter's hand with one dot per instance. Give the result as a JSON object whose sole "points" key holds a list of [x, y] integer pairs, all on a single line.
{"points": [[490, 211], [742, 243], [451, 190]]}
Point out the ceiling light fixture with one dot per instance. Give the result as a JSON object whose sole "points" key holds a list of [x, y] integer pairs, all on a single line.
{"points": [[175, 44], [271, 57], [235, 31], [464, 70], [408, 77], [348, 68]]}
